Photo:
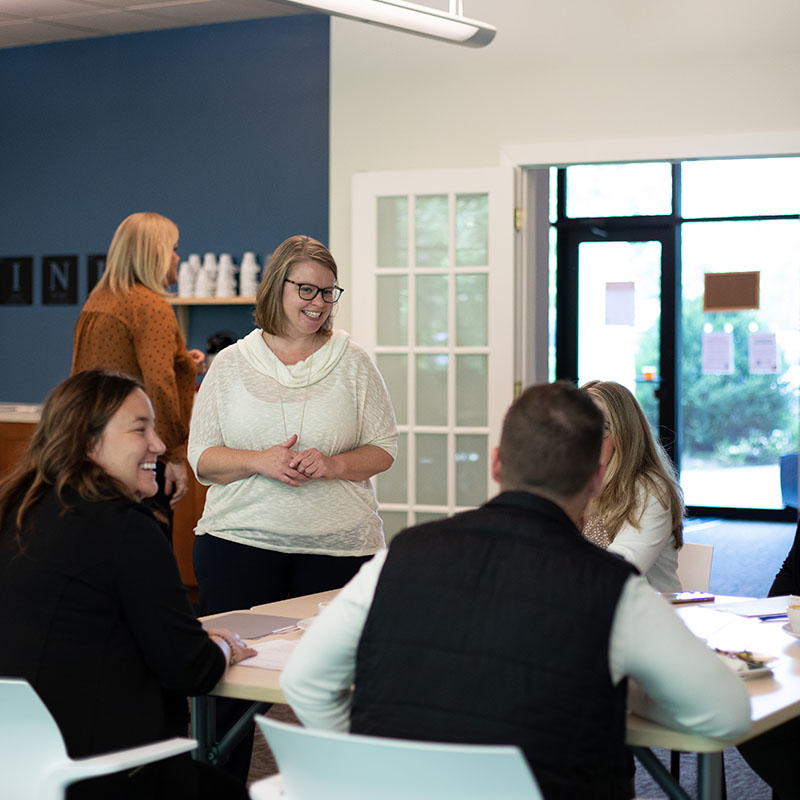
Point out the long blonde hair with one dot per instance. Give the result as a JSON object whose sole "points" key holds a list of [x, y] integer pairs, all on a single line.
{"points": [[638, 463], [140, 252]]}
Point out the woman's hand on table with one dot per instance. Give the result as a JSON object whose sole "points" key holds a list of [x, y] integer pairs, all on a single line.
{"points": [[235, 645]]}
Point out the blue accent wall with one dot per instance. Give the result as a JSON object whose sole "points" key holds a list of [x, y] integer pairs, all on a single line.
{"points": [[222, 128]]}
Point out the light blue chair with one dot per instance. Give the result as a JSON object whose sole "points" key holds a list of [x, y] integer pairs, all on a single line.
{"points": [[323, 765], [34, 764]]}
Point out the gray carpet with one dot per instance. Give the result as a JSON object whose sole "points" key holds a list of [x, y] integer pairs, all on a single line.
{"points": [[263, 763]]}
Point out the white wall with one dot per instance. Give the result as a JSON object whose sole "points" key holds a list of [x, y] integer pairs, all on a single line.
{"points": [[647, 77]]}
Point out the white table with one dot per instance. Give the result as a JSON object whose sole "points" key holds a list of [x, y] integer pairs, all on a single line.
{"points": [[246, 683], [774, 698]]}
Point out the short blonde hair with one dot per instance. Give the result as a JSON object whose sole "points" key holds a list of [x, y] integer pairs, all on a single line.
{"points": [[638, 462], [269, 314], [140, 252]]}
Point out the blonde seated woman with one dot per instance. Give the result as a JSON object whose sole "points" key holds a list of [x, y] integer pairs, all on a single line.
{"points": [[639, 512]]}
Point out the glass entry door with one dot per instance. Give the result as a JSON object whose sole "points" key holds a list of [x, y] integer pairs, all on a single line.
{"points": [[621, 317]]}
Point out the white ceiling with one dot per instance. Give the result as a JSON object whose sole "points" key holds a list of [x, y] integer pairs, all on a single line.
{"points": [[24, 22]]}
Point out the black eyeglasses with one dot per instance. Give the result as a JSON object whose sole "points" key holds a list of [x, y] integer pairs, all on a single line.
{"points": [[606, 429], [308, 291]]}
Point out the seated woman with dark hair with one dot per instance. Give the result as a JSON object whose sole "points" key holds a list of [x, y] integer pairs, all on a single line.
{"points": [[772, 754], [92, 609]]}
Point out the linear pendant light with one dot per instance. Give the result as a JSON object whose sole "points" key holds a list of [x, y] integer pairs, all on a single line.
{"points": [[408, 17]]}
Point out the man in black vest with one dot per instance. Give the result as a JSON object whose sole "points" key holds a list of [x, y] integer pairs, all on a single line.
{"points": [[504, 625]]}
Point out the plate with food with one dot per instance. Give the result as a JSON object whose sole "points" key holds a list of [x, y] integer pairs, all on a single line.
{"points": [[745, 663]]}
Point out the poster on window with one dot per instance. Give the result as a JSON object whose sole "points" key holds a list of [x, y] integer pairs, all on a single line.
{"points": [[718, 353], [763, 350], [619, 303]]}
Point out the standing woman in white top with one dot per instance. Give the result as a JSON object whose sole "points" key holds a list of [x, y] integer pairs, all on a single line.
{"points": [[639, 512], [288, 427]]}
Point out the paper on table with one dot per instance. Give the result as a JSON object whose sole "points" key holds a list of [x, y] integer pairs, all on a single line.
{"points": [[756, 608], [273, 654]]}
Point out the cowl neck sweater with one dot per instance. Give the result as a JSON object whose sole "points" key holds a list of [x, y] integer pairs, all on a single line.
{"points": [[293, 376]]}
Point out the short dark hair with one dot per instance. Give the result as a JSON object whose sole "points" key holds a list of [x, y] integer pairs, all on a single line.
{"points": [[269, 297], [73, 418], [551, 440]]}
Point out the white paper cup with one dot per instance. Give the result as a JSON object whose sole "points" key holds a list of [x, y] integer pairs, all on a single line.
{"points": [[322, 606], [793, 612]]}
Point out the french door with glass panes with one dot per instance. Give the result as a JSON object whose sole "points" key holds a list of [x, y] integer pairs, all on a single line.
{"points": [[433, 303]]}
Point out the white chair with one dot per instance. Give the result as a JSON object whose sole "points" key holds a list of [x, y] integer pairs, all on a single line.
{"points": [[34, 764], [694, 566], [323, 765]]}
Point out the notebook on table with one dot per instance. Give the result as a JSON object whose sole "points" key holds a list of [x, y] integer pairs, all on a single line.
{"points": [[250, 625]]}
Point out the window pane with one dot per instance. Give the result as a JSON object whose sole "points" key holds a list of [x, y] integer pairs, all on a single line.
{"points": [[472, 310], [392, 231], [737, 426], [432, 230], [432, 310], [392, 485], [472, 390], [472, 467], [392, 310], [421, 517], [432, 389], [472, 230], [431, 469], [393, 523], [619, 317], [619, 190], [741, 187], [394, 369]]}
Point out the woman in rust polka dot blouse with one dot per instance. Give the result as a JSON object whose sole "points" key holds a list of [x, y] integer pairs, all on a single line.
{"points": [[127, 324]]}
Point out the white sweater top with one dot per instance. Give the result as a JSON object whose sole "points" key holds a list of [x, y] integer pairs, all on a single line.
{"points": [[336, 401]]}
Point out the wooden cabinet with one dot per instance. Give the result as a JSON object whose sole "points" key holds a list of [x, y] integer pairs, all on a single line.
{"points": [[14, 438], [184, 520]]}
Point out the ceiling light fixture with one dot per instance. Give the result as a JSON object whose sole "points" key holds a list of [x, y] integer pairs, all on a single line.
{"points": [[450, 26]]}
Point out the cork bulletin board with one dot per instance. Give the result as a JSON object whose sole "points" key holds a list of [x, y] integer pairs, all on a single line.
{"points": [[731, 291]]}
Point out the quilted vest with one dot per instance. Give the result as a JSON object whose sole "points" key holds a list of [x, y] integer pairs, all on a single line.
{"points": [[493, 627]]}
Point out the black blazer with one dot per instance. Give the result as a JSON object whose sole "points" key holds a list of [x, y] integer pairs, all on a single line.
{"points": [[94, 615], [787, 581]]}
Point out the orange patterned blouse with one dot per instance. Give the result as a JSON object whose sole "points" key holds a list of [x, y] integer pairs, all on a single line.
{"points": [[136, 332]]}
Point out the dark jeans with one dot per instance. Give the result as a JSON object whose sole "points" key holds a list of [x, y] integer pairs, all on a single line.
{"points": [[234, 576]]}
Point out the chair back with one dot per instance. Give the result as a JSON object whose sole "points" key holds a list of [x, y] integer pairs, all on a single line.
{"points": [[341, 766], [30, 740], [694, 566], [34, 764], [29, 735]]}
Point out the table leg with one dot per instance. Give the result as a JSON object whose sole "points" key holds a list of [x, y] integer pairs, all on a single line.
{"points": [[660, 773], [204, 725], [709, 776]]}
